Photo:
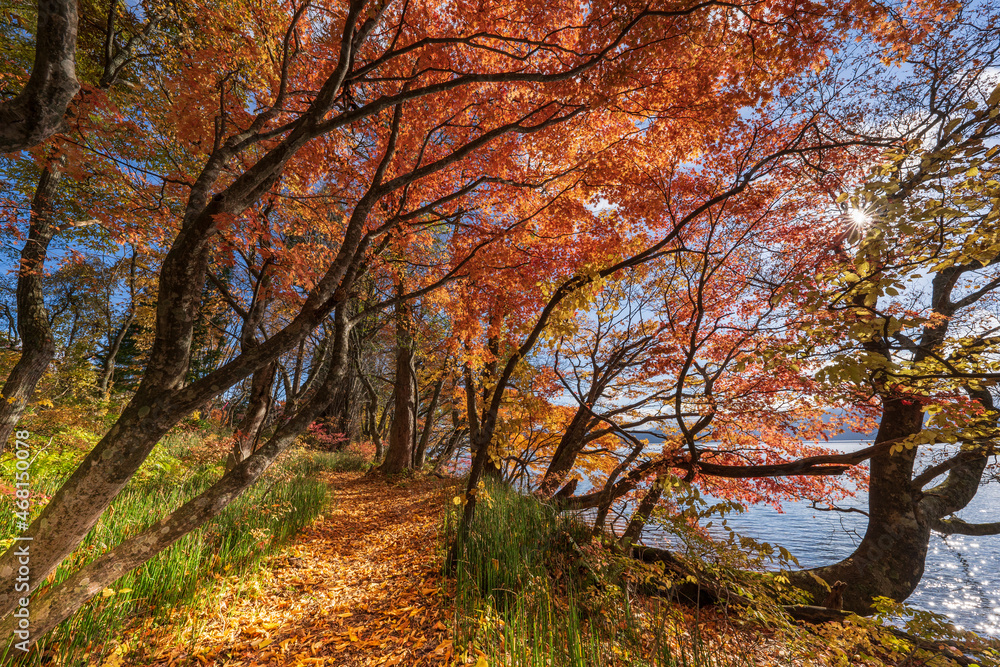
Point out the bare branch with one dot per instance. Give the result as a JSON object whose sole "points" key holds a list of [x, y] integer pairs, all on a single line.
{"points": [[959, 527]]}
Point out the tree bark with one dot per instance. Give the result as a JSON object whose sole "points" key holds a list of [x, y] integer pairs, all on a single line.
{"points": [[570, 445], [108, 364], [449, 449], [62, 601], [262, 381], [258, 405], [604, 508], [643, 512], [37, 112], [889, 561], [37, 343], [371, 427], [418, 455], [341, 416], [115, 344], [398, 453]]}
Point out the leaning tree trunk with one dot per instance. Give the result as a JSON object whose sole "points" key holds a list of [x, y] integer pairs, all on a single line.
{"points": [[60, 602], [37, 343], [398, 453], [642, 513], [890, 559], [570, 445], [604, 508], [249, 428], [449, 448]]}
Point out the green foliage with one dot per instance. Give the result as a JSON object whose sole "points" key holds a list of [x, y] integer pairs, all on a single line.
{"points": [[738, 564], [907, 313], [532, 590], [310, 462], [250, 528], [49, 466]]}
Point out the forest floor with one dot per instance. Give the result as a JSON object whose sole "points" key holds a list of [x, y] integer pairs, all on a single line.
{"points": [[360, 586]]}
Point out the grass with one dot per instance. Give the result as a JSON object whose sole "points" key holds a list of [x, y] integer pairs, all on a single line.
{"points": [[254, 526], [528, 594], [343, 461]]}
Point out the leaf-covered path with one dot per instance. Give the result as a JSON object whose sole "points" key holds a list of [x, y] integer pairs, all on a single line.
{"points": [[361, 586]]}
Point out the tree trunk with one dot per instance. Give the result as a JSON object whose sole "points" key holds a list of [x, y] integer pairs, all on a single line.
{"points": [[37, 112], [398, 453], [339, 416], [262, 381], [108, 365], [570, 445], [449, 449], [115, 344], [63, 600], [643, 512], [380, 429], [416, 413], [604, 508], [890, 559], [163, 397], [418, 455], [37, 343], [248, 431]]}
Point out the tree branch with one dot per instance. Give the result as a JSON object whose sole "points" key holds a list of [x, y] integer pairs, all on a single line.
{"points": [[958, 527]]}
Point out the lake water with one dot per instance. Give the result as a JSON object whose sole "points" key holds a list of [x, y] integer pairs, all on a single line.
{"points": [[961, 575]]}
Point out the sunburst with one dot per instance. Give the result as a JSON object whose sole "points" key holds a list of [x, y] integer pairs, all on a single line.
{"points": [[858, 218]]}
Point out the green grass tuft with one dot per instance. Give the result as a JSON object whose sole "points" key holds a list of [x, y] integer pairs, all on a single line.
{"points": [[254, 526], [531, 591], [312, 462]]}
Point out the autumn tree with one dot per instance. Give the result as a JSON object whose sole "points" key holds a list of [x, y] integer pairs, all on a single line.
{"points": [[52, 210], [399, 450], [488, 131], [421, 125], [740, 195], [905, 319]]}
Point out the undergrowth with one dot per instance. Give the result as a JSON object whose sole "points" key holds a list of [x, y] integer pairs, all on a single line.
{"points": [[186, 574], [531, 590]]}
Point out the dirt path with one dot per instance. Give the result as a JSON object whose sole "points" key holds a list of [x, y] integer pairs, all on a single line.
{"points": [[359, 587]]}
